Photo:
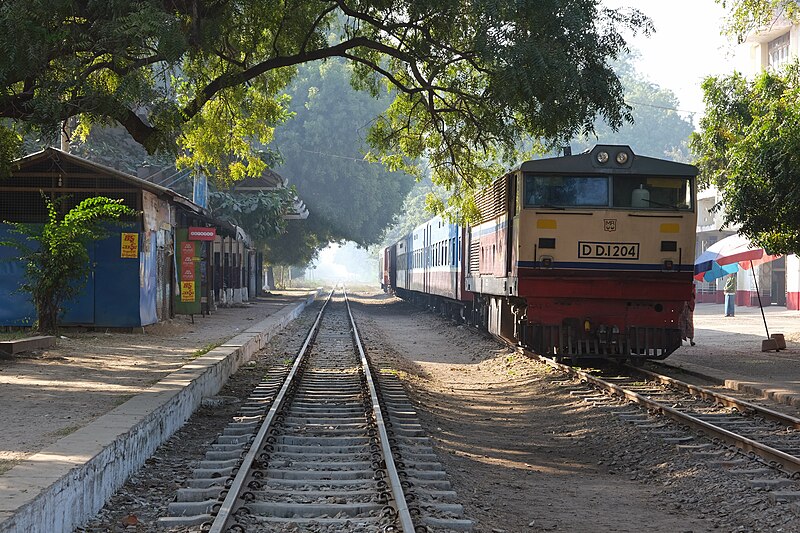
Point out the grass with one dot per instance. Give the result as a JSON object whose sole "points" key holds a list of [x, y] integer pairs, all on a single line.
{"points": [[63, 432], [12, 335], [6, 465], [205, 349]]}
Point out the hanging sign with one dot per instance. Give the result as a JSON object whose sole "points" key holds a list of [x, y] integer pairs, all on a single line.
{"points": [[202, 234], [130, 246]]}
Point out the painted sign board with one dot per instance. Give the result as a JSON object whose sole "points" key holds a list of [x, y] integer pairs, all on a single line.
{"points": [[188, 294], [188, 264], [130, 246]]}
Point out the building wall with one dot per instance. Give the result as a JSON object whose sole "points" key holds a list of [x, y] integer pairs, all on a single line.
{"points": [[109, 298], [157, 276]]}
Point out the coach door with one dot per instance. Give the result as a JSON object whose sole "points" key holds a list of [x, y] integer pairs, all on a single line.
{"points": [[426, 246]]}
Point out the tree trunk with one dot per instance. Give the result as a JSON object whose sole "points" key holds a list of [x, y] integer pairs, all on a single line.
{"points": [[47, 316]]}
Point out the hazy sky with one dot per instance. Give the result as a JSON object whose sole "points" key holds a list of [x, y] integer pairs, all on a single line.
{"points": [[686, 47]]}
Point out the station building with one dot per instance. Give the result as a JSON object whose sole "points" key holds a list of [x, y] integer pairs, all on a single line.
{"points": [[173, 258]]}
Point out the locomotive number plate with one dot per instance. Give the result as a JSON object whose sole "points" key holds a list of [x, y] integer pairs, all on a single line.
{"points": [[608, 250]]}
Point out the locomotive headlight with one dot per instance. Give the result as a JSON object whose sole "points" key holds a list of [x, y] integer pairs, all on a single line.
{"points": [[668, 264], [602, 157], [587, 326], [622, 158], [547, 261]]}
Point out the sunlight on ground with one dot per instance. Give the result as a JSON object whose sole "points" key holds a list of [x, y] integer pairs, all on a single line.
{"points": [[43, 384]]}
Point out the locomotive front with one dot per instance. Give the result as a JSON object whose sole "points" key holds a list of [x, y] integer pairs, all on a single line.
{"points": [[600, 252]]}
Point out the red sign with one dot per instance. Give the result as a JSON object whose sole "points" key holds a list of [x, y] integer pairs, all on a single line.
{"points": [[187, 273], [187, 261], [202, 234]]}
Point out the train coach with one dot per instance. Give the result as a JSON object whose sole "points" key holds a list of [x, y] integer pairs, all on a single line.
{"points": [[587, 255], [426, 268]]}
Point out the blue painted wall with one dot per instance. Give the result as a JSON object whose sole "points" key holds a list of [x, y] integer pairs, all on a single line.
{"points": [[111, 297], [16, 308]]}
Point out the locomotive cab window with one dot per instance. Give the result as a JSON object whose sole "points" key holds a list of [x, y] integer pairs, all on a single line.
{"points": [[622, 192], [671, 193], [566, 191]]}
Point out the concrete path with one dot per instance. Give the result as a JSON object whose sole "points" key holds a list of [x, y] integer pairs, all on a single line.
{"points": [[729, 349]]}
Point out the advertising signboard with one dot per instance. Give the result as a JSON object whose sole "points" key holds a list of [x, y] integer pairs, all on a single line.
{"points": [[187, 262]]}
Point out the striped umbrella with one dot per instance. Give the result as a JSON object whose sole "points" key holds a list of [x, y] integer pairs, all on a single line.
{"points": [[728, 256]]}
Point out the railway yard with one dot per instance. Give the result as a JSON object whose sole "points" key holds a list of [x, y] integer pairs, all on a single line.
{"points": [[505, 443]]}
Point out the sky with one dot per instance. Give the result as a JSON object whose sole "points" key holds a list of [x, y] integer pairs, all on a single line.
{"points": [[685, 48]]}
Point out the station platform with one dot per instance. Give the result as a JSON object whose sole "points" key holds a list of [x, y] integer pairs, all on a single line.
{"points": [[78, 419], [728, 349]]}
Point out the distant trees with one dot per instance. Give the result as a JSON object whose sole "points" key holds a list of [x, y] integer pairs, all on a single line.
{"points": [[656, 129], [349, 197], [55, 254], [467, 79]]}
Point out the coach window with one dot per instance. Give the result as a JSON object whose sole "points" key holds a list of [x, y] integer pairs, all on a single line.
{"points": [[566, 191], [647, 192]]}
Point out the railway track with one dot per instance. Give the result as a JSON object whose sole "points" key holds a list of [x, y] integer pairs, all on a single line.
{"points": [[747, 431], [325, 445]]}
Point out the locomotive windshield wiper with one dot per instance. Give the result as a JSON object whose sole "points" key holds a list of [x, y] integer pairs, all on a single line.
{"points": [[551, 206]]}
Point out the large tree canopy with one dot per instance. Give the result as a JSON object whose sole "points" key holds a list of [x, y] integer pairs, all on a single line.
{"points": [[749, 147], [749, 141], [468, 78]]}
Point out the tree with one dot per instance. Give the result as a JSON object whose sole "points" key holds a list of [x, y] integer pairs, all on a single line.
{"points": [[261, 213], [468, 79], [349, 198], [749, 15], [749, 147], [656, 128], [56, 256]]}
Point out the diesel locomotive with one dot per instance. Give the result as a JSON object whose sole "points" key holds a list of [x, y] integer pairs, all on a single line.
{"points": [[586, 255]]}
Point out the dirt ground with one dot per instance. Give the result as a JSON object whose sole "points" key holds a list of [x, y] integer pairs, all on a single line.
{"points": [[521, 453], [49, 394]]}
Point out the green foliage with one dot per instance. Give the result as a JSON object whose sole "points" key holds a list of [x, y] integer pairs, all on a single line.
{"points": [[749, 15], [415, 211], [55, 254], [656, 129], [749, 147], [203, 79], [348, 197], [259, 213], [10, 149]]}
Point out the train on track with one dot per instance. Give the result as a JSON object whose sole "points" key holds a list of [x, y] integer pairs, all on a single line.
{"points": [[587, 255]]}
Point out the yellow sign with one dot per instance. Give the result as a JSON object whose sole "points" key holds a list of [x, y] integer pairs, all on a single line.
{"points": [[187, 291], [130, 245]]}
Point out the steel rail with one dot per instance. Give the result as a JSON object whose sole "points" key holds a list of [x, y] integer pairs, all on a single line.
{"points": [[238, 481], [403, 514], [723, 399], [787, 462]]}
